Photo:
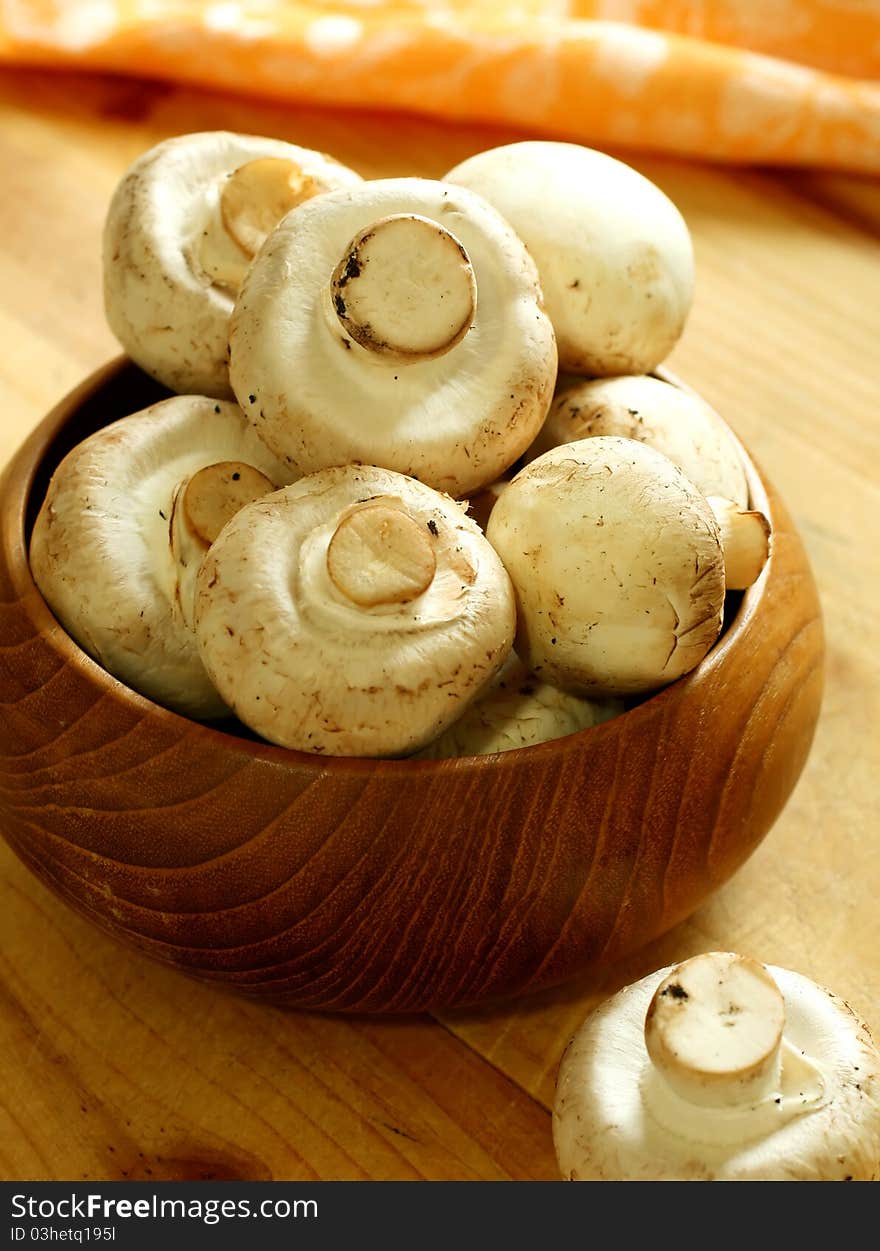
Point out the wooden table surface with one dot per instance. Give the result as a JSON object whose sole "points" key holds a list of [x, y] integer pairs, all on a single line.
{"points": [[111, 1067]]}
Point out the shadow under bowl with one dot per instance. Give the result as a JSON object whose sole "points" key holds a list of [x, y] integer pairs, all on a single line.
{"points": [[388, 885]]}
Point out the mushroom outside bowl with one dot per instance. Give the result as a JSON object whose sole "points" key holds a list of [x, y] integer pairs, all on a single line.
{"points": [[388, 885]]}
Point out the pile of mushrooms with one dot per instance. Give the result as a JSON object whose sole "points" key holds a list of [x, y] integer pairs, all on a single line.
{"points": [[720, 1069], [416, 493], [375, 519]]}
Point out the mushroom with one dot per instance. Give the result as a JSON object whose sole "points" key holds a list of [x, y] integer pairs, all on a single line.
{"points": [[721, 1069], [355, 613], [518, 710], [613, 252], [676, 422], [617, 566], [396, 323], [127, 518], [183, 226]]}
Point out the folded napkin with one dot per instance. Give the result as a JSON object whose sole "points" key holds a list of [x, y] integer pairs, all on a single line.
{"points": [[780, 81]]}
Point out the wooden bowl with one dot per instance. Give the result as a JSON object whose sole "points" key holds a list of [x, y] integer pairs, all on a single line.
{"points": [[382, 885]]}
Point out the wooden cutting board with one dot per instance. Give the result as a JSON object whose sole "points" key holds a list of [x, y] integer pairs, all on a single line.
{"points": [[111, 1067]]}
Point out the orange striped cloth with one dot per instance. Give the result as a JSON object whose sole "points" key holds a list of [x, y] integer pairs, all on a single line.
{"points": [[781, 81]]}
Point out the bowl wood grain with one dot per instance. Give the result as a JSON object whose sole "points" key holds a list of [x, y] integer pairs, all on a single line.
{"points": [[376, 885]]}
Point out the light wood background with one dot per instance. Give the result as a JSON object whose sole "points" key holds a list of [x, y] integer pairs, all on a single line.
{"points": [[113, 1068]]}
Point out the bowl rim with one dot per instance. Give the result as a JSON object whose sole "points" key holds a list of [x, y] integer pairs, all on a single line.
{"points": [[20, 475]]}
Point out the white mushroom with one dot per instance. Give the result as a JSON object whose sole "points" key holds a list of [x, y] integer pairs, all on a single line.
{"points": [[518, 710], [613, 252], [355, 613], [184, 225], [676, 422], [127, 519], [616, 561], [396, 323], [721, 1069]]}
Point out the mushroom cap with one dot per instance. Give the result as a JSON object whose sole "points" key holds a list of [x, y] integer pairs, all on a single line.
{"points": [[163, 308], [616, 562], [613, 252], [614, 1118], [518, 710], [319, 397], [101, 549], [305, 649], [677, 423]]}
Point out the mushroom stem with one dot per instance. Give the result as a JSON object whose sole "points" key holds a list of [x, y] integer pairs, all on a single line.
{"points": [[380, 555], [250, 203], [714, 1030], [201, 506], [745, 541], [405, 289], [215, 494]]}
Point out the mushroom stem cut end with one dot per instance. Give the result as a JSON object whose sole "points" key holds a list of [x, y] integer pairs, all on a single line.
{"points": [[258, 194], [252, 201], [216, 493], [405, 289], [745, 541], [714, 1029], [380, 555]]}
